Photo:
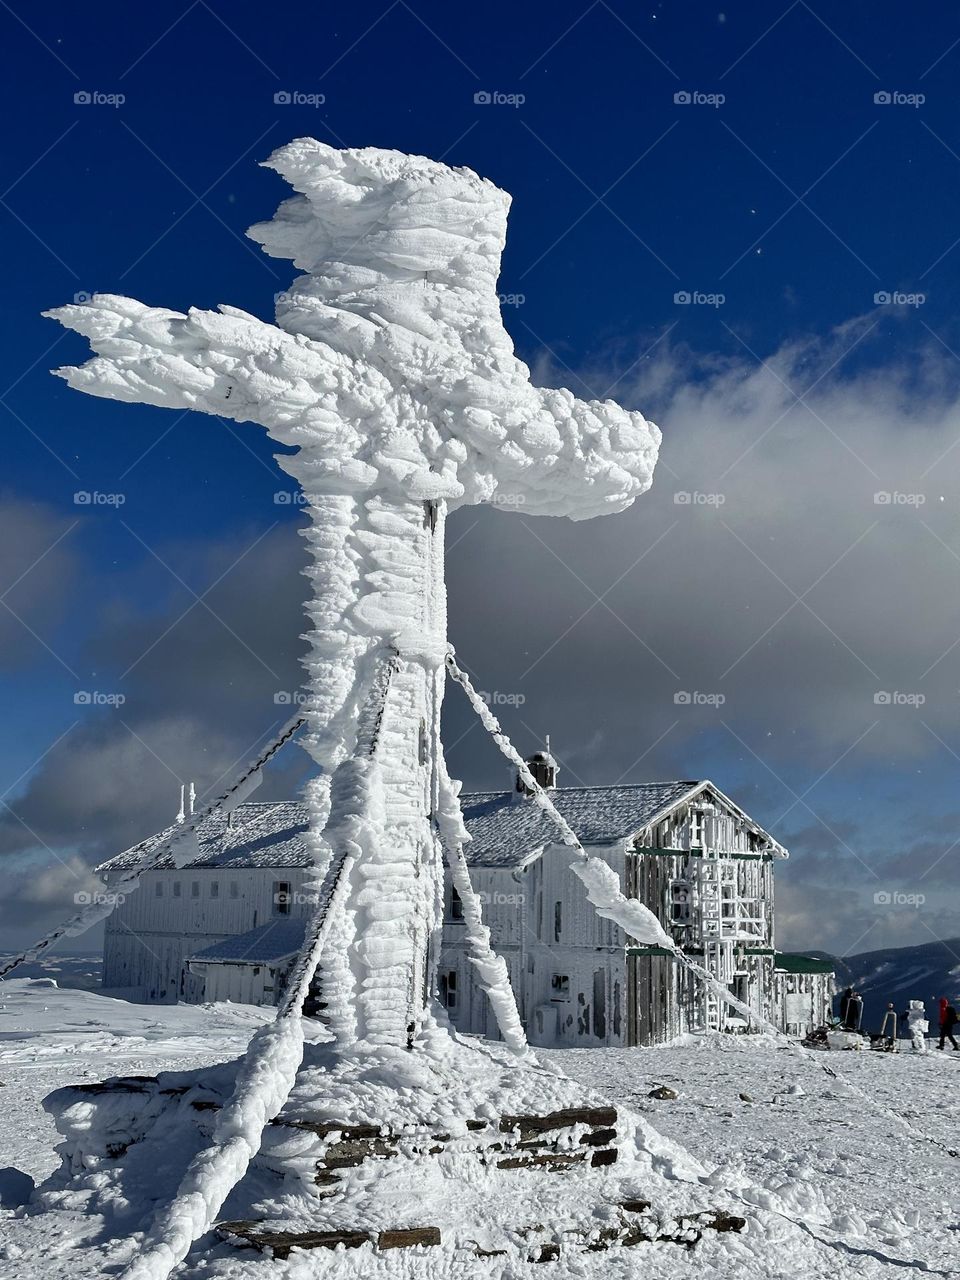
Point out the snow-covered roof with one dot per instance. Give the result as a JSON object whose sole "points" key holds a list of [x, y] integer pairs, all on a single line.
{"points": [[280, 938], [263, 834], [507, 830]]}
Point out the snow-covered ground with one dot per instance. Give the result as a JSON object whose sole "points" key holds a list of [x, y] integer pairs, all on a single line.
{"points": [[831, 1186]]}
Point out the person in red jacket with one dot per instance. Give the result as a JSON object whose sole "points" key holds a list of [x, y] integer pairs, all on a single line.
{"points": [[947, 1025], [944, 1004]]}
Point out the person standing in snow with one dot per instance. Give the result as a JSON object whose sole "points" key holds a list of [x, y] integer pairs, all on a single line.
{"points": [[944, 1004], [845, 1004], [948, 1020], [917, 1025]]}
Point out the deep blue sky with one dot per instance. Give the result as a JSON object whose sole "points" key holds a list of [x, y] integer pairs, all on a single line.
{"points": [[798, 198]]}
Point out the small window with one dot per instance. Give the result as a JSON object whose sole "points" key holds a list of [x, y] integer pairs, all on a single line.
{"points": [[560, 986], [158, 889], [448, 989], [176, 888], [557, 920], [281, 897], [194, 888], [214, 888], [456, 905], [234, 889], [680, 902]]}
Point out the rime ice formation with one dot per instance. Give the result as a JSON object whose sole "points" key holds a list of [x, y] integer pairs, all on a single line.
{"points": [[391, 372]]}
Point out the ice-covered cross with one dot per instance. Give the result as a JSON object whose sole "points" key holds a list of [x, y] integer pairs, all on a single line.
{"points": [[390, 370]]}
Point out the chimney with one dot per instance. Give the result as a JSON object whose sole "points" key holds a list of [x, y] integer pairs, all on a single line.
{"points": [[544, 767]]}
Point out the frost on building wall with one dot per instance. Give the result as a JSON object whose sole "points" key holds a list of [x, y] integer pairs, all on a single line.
{"points": [[226, 926]]}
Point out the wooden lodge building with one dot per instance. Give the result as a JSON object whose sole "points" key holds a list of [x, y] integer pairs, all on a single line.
{"points": [[228, 924]]}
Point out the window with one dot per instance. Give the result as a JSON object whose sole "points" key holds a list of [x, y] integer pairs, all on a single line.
{"points": [[680, 902], [234, 889], [194, 888], [456, 905], [557, 920], [448, 989], [214, 888], [158, 889], [696, 829], [176, 888], [560, 986], [281, 897]]}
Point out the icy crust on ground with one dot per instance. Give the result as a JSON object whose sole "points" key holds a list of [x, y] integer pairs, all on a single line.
{"points": [[391, 366]]}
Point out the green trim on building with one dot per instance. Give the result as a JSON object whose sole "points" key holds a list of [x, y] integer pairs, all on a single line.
{"points": [[793, 962], [649, 951]]}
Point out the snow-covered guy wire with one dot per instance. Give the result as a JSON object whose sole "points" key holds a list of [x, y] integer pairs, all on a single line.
{"points": [[152, 854], [603, 885], [272, 1059]]}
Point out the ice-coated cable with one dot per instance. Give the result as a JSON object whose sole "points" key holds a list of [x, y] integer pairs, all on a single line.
{"points": [[606, 885], [273, 1057], [152, 854]]}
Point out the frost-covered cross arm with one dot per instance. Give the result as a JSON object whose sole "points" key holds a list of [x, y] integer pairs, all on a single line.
{"points": [[223, 362]]}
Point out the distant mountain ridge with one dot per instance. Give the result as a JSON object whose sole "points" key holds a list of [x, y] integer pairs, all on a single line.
{"points": [[899, 974]]}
